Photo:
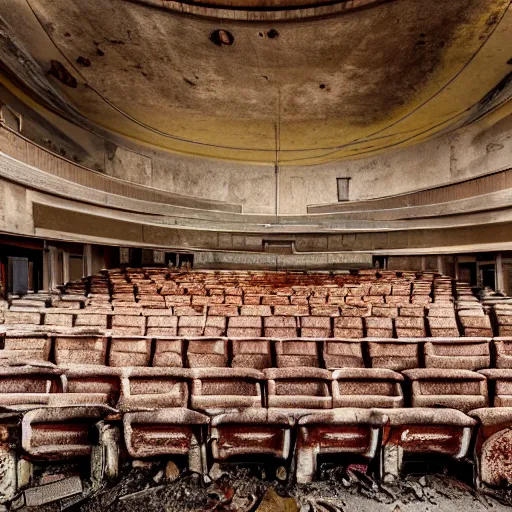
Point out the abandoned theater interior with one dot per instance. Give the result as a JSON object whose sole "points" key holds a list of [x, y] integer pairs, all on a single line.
{"points": [[267, 241]]}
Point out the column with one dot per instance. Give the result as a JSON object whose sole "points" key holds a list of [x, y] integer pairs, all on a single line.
{"points": [[500, 278]]}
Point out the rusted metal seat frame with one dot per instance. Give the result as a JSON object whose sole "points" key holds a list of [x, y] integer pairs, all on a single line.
{"points": [[346, 430], [169, 432], [491, 447], [253, 435], [422, 430]]}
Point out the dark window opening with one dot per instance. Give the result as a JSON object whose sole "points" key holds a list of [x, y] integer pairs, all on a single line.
{"points": [[343, 189]]}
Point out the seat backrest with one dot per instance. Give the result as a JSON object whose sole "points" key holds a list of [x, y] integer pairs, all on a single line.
{"points": [[367, 387], [226, 388], [80, 350], [293, 353], [251, 354], [458, 389], [143, 388], [299, 388], [203, 353], [130, 351]]}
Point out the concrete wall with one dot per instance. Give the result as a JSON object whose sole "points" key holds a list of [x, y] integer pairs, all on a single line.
{"points": [[15, 209], [466, 153], [471, 151]]}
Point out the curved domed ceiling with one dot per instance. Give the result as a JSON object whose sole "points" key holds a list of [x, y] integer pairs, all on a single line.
{"points": [[315, 83]]}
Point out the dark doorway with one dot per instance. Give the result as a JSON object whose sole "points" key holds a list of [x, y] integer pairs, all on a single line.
{"points": [[488, 275], [467, 273]]}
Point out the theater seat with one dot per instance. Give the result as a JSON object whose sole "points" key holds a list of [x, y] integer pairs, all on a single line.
{"points": [[500, 386], [28, 386], [91, 385], [476, 326], [348, 327], [423, 431], [167, 432], [25, 347], [300, 388], [367, 387], [80, 350], [57, 433], [130, 351], [293, 353], [129, 324], [252, 432], [465, 354], [503, 348], [168, 353], [153, 388], [410, 327], [343, 354], [348, 431], [161, 325], [224, 388], [378, 327], [458, 389], [251, 354], [492, 447], [395, 355], [205, 353]]}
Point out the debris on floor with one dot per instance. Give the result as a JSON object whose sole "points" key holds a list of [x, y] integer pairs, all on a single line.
{"points": [[240, 489]]}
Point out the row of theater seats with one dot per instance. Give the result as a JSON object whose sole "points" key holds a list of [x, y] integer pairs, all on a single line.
{"points": [[260, 353], [218, 415], [132, 388], [279, 321]]}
